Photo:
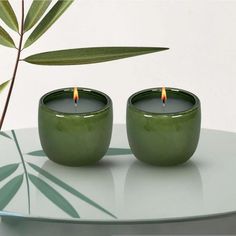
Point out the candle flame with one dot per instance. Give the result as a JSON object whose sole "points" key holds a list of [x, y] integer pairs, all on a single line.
{"points": [[163, 95], [76, 96]]}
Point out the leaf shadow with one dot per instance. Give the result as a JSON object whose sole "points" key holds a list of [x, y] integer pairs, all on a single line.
{"points": [[110, 152]]}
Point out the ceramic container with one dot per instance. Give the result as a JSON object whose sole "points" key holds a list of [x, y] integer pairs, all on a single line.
{"points": [[75, 139], [163, 138]]}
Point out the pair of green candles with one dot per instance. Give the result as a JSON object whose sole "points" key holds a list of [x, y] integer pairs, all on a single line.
{"points": [[163, 126]]}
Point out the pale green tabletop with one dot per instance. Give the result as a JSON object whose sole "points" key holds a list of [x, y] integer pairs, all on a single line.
{"points": [[119, 189]]}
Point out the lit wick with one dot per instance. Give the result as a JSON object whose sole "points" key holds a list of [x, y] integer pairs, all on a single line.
{"points": [[76, 96], [163, 96]]}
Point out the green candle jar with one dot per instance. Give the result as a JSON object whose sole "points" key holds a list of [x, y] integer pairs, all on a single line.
{"points": [[75, 134], [163, 134]]}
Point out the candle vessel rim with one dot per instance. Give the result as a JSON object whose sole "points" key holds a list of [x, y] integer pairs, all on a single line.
{"points": [[195, 105], [106, 106]]}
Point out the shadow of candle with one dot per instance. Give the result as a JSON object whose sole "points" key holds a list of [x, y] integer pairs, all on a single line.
{"points": [[161, 192], [94, 182]]}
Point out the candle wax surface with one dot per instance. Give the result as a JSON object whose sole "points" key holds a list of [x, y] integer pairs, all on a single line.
{"points": [[67, 105], [155, 105]]}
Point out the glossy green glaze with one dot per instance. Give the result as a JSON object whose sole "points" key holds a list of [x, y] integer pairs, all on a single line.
{"points": [[75, 139], [163, 139]]}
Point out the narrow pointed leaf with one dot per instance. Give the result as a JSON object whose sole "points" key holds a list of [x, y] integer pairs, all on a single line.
{"points": [[36, 11], [4, 135], [57, 10], [7, 170], [39, 153], [68, 188], [81, 56], [5, 39], [4, 85], [53, 196], [118, 151], [9, 190], [7, 15]]}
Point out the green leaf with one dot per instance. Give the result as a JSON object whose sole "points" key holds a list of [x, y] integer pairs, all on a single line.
{"points": [[118, 151], [5, 39], [57, 10], [36, 11], [81, 56], [68, 188], [53, 196], [7, 170], [39, 153], [4, 85], [9, 190], [4, 135], [7, 15]]}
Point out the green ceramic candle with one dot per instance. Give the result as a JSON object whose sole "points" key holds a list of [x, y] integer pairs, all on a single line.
{"points": [[75, 133], [163, 132]]}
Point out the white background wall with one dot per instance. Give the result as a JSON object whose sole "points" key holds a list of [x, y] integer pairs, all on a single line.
{"points": [[201, 35]]}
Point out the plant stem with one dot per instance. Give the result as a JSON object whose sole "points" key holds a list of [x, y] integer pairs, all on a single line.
{"points": [[16, 66]]}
